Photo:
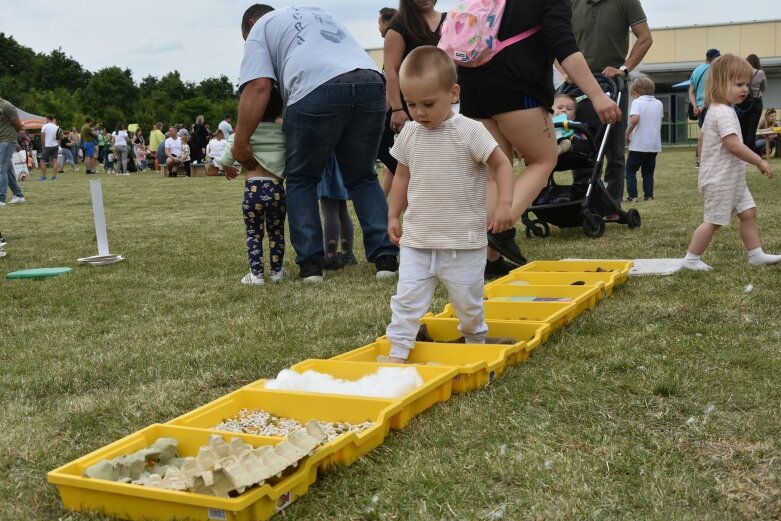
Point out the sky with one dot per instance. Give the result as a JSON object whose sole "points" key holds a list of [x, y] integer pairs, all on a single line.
{"points": [[201, 38]]}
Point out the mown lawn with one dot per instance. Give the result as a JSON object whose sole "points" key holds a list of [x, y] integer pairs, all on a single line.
{"points": [[606, 421]]}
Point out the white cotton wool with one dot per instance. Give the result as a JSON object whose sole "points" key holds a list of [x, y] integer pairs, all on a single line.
{"points": [[387, 382]]}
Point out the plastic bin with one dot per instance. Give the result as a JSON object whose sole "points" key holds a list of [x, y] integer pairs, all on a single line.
{"points": [[619, 267], [304, 407], [531, 278], [584, 297], [437, 385], [128, 501], [555, 314]]}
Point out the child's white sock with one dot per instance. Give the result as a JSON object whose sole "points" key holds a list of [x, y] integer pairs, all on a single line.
{"points": [[758, 257], [694, 263]]}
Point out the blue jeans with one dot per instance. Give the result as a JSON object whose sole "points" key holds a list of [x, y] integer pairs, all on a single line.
{"points": [[347, 119], [7, 176], [636, 161]]}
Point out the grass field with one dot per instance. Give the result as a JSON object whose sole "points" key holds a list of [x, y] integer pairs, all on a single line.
{"points": [[606, 421]]}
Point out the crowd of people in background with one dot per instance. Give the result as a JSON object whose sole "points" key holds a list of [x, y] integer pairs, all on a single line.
{"points": [[117, 150]]}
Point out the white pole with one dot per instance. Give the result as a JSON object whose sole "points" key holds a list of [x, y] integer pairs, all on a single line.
{"points": [[100, 216]]}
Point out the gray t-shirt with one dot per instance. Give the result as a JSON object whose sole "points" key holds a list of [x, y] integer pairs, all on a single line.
{"points": [[8, 114], [300, 48]]}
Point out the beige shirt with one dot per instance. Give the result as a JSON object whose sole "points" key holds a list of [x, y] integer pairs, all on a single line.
{"points": [[448, 175], [719, 169]]}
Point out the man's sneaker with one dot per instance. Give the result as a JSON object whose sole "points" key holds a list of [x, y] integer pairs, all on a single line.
{"points": [[387, 266], [311, 271], [253, 280], [2, 204], [497, 268], [17, 200], [54, 178], [347, 258], [277, 276], [632, 200], [648, 198], [504, 243], [42, 178]]}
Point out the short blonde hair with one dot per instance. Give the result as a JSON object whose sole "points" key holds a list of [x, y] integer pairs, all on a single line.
{"points": [[644, 86], [560, 96], [723, 71], [431, 62]]}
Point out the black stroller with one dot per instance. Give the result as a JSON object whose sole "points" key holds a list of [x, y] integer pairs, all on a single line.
{"points": [[586, 200]]}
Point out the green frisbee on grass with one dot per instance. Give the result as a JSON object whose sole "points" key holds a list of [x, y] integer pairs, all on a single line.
{"points": [[37, 273]]}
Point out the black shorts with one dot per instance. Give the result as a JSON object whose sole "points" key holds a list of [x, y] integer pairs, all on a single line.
{"points": [[701, 117], [50, 153], [482, 101]]}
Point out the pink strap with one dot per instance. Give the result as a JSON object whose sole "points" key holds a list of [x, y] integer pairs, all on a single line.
{"points": [[517, 38]]}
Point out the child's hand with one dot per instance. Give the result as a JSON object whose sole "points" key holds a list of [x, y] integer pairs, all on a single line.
{"points": [[764, 167], [502, 219], [230, 173], [394, 230]]}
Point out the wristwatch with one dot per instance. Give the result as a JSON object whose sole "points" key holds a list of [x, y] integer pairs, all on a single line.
{"points": [[625, 70]]}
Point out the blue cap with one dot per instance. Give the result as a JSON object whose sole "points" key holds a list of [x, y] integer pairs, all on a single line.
{"points": [[712, 53]]}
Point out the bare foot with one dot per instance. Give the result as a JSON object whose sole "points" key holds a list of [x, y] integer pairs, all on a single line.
{"points": [[395, 360]]}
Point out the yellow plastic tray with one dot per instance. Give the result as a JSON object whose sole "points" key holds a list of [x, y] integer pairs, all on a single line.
{"points": [[535, 278], [584, 297], [477, 364], [304, 407], [555, 314], [437, 385], [129, 501], [619, 267]]}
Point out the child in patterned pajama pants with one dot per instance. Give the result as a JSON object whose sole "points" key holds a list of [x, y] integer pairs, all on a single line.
{"points": [[264, 206], [264, 211]]}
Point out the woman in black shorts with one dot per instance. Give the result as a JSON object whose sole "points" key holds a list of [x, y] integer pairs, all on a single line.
{"points": [[512, 95]]}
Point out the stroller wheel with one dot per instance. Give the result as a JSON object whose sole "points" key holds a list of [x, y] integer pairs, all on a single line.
{"points": [[538, 228], [594, 231], [633, 218]]}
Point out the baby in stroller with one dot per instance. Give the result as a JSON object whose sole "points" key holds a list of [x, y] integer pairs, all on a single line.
{"points": [[564, 113], [586, 202]]}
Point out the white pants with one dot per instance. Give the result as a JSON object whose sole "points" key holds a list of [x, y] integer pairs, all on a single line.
{"points": [[461, 271]]}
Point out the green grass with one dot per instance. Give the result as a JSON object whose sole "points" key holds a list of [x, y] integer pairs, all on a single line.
{"points": [[593, 426]]}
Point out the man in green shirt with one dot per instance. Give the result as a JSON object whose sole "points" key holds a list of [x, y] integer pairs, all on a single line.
{"points": [[601, 30], [10, 124], [88, 143]]}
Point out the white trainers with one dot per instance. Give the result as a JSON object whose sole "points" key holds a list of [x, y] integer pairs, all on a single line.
{"points": [[277, 276], [17, 200], [252, 280], [2, 204]]}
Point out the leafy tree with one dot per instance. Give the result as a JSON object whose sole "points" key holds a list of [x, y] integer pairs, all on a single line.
{"points": [[110, 92], [216, 88], [56, 70], [62, 104], [186, 111]]}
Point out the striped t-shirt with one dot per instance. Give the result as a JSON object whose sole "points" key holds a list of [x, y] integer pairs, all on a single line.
{"points": [[448, 175]]}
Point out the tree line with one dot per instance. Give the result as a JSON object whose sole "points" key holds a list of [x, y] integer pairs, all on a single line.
{"points": [[57, 84]]}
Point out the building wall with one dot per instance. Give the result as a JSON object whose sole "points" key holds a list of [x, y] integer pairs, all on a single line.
{"points": [[685, 44]]}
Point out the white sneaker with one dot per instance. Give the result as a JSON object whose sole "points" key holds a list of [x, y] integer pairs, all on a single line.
{"points": [[277, 276], [252, 280], [2, 204], [17, 200]]}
